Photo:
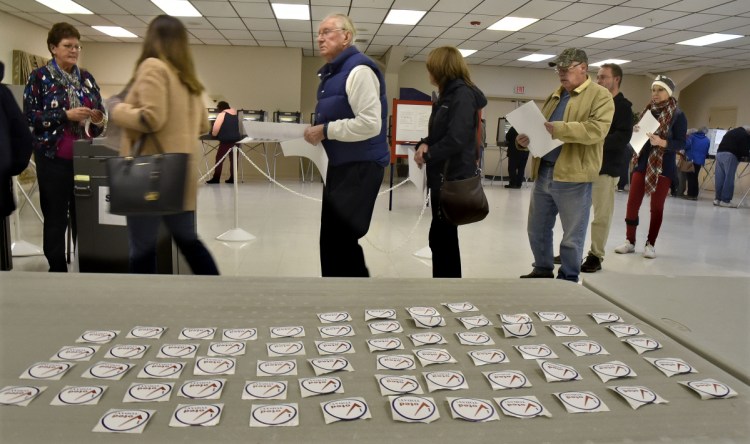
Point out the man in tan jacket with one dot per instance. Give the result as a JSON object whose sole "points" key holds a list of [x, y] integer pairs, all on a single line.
{"points": [[579, 114]]}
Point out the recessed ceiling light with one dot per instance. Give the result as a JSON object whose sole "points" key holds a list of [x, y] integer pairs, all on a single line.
{"points": [[467, 52], [614, 31], [512, 23], [536, 57], [115, 31], [616, 61], [285, 11], [177, 8], [709, 39], [404, 17], [65, 6]]}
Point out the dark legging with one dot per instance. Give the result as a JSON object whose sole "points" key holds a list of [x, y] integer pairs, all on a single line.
{"points": [[635, 198], [692, 181], [224, 147]]}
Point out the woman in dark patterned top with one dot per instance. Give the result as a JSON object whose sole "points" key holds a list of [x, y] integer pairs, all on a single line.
{"points": [[62, 104]]}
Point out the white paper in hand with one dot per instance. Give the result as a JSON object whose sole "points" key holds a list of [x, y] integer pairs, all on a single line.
{"points": [[648, 124], [528, 119]]}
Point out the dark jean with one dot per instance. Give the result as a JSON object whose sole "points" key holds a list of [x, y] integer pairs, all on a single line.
{"points": [[55, 178], [572, 201], [142, 236], [726, 168], [446, 255]]}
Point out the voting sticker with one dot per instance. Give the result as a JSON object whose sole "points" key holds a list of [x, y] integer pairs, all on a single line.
{"points": [[581, 402], [161, 370], [522, 407], [384, 344], [613, 370], [710, 389], [177, 351], [275, 349], [672, 366], [227, 348], [410, 408], [349, 409], [277, 415], [517, 318], [334, 347], [428, 356], [79, 395], [428, 321], [97, 336], [265, 390], [642, 344], [445, 380], [556, 372], [322, 385], [606, 318], [488, 356], [637, 396], [149, 392], [566, 330], [296, 331], [390, 326], [239, 334], [460, 307], [507, 379], [398, 385], [19, 395], [202, 388], [204, 415], [145, 332], [322, 366], [470, 322], [380, 313], [429, 338], [51, 371], [75, 353], [131, 351], [525, 330], [276, 368], [585, 347], [552, 316], [193, 333], [334, 317], [474, 338], [210, 366], [336, 331], [124, 421], [625, 330], [395, 362], [422, 311], [535, 351], [472, 409]]}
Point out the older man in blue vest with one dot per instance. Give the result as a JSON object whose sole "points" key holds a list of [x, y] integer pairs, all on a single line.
{"points": [[351, 122]]}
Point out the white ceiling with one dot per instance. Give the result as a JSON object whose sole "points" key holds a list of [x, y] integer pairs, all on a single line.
{"points": [[563, 23]]}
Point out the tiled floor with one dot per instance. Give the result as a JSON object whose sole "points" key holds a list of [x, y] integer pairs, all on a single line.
{"points": [[696, 237]]}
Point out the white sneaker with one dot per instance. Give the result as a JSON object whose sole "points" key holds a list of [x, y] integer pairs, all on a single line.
{"points": [[649, 252], [726, 204], [625, 248], [716, 202]]}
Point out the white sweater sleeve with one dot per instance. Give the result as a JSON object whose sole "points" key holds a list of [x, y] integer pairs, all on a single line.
{"points": [[363, 90]]}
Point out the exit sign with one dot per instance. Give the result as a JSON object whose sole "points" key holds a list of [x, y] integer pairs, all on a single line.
{"points": [[519, 89]]}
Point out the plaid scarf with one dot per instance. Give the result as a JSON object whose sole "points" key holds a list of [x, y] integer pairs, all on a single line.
{"points": [[664, 112], [73, 89]]}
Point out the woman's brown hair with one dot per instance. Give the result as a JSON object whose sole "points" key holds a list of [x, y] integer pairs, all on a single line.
{"points": [[166, 39], [445, 64], [61, 31]]}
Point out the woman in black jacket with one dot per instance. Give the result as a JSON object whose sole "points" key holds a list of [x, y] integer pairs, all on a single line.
{"points": [[450, 148]]}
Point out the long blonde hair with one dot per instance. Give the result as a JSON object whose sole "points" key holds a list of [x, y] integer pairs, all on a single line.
{"points": [[445, 64], [166, 39]]}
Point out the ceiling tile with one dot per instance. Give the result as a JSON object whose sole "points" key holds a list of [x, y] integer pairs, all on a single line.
{"points": [[297, 36], [723, 24], [139, 7], [126, 21], [236, 34], [241, 42], [736, 7], [215, 41], [266, 35], [227, 23], [547, 26], [426, 31], [463, 6], [214, 8], [388, 40], [462, 33], [694, 5], [540, 9], [261, 24], [416, 5], [204, 34], [498, 8], [401, 30], [295, 25], [417, 41], [254, 10], [615, 15], [441, 19], [101, 6], [370, 15], [653, 18]]}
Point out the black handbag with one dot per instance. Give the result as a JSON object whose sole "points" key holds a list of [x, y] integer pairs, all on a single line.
{"points": [[147, 185], [463, 201]]}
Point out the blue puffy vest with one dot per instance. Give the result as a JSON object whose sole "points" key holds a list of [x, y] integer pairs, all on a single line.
{"points": [[333, 104]]}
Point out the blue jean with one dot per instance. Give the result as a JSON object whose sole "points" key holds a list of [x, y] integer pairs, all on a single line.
{"points": [[142, 236], [726, 168], [572, 200]]}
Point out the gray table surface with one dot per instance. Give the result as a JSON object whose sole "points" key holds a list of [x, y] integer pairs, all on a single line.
{"points": [[707, 314], [40, 313]]}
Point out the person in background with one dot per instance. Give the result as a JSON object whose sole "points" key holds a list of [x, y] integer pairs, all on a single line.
{"points": [[517, 159], [579, 113], [351, 123], [655, 167], [696, 150], [682, 166], [615, 148], [734, 146], [450, 148], [62, 104], [163, 106], [227, 130]]}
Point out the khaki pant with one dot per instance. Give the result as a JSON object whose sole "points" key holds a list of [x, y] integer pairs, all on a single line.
{"points": [[603, 202]]}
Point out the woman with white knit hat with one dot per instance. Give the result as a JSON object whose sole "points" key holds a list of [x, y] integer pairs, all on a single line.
{"points": [[654, 168]]}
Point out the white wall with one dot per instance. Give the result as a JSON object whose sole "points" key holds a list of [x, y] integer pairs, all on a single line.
{"points": [[724, 89], [22, 35]]}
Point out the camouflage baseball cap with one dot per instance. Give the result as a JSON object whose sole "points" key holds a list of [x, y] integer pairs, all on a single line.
{"points": [[569, 56]]}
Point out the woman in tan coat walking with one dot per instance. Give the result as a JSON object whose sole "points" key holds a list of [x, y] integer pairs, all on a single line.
{"points": [[163, 105]]}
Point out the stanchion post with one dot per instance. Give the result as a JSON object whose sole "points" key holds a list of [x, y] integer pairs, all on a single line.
{"points": [[236, 234]]}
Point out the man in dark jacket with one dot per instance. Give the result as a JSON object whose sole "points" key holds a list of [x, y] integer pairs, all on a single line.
{"points": [[614, 161], [734, 146], [517, 159]]}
